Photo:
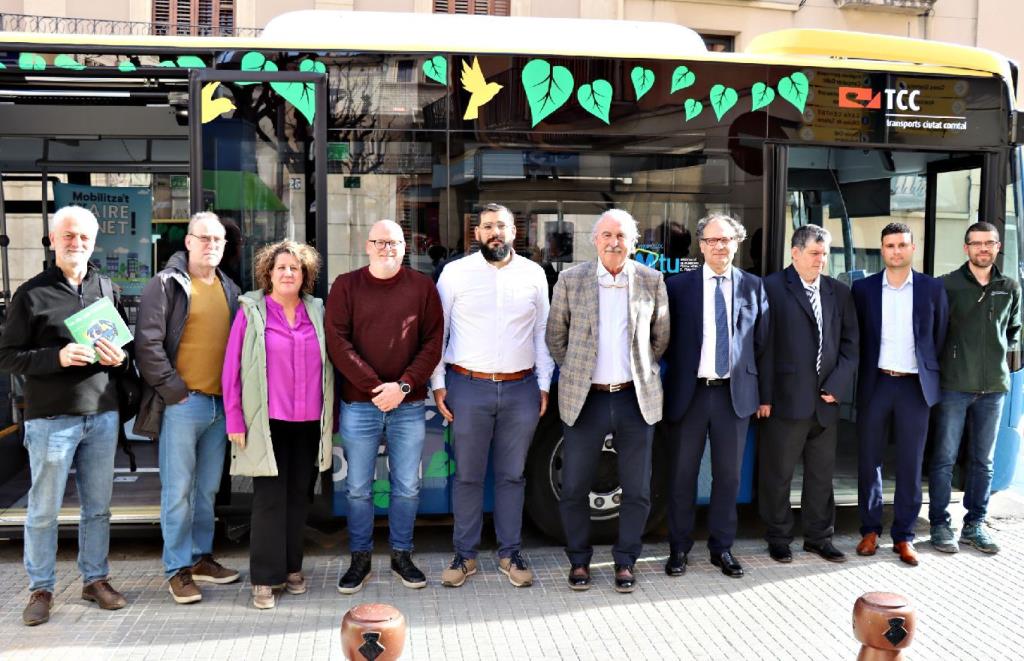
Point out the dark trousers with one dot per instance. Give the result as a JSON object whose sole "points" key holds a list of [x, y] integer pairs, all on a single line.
{"points": [[896, 407], [710, 415], [280, 503], [616, 413], [783, 443], [498, 418]]}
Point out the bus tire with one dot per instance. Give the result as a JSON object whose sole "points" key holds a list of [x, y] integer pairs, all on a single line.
{"points": [[543, 485]]}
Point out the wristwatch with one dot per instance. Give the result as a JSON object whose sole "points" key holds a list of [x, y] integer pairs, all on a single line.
{"points": [[404, 387]]}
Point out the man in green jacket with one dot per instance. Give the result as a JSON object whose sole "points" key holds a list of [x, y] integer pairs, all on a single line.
{"points": [[984, 323]]}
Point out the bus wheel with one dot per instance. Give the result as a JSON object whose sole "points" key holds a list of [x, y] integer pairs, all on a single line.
{"points": [[544, 485]]}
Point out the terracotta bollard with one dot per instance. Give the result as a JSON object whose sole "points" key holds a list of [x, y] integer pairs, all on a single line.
{"points": [[884, 623], [373, 632]]}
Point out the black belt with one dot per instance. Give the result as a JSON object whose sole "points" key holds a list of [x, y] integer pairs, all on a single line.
{"points": [[713, 383]]}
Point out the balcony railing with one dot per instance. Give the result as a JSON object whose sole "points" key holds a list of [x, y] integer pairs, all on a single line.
{"points": [[66, 25]]}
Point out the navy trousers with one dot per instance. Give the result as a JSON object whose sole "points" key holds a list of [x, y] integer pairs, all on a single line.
{"points": [[896, 408], [711, 415], [616, 413], [497, 418]]}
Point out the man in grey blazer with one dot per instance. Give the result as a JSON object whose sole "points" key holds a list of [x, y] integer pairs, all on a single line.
{"points": [[607, 329]]}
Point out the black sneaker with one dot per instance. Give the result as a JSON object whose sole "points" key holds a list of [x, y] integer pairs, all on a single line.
{"points": [[358, 573], [403, 568]]}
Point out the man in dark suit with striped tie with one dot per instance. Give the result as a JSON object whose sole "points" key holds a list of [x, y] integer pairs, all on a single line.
{"points": [[809, 368]]}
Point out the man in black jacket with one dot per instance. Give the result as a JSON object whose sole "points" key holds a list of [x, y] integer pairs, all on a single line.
{"points": [[810, 364], [71, 415]]}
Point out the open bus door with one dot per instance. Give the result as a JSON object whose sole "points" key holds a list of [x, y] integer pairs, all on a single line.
{"points": [[258, 160]]}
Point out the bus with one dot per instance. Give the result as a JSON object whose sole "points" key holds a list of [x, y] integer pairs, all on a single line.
{"points": [[332, 120]]}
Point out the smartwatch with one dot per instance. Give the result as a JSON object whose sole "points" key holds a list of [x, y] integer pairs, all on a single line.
{"points": [[404, 387]]}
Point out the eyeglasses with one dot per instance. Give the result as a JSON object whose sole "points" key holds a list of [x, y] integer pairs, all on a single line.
{"points": [[983, 244], [215, 240], [381, 244], [718, 241]]}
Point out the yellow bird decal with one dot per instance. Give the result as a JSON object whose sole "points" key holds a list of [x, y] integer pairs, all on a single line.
{"points": [[482, 91], [213, 108]]}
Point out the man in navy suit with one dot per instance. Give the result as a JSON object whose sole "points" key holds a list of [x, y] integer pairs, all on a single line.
{"points": [[719, 318], [903, 316], [807, 372]]}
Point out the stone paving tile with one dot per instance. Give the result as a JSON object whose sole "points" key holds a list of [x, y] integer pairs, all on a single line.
{"points": [[969, 607]]}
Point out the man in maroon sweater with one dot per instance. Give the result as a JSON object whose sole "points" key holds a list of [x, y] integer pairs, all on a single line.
{"points": [[384, 328]]}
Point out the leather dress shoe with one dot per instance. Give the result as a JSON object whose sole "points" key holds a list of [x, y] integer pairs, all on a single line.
{"points": [[780, 552], [826, 550], [728, 564], [579, 577], [625, 581], [906, 552], [676, 564], [868, 544]]}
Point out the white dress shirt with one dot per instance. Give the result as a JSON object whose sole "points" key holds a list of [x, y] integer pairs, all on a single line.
{"points": [[494, 318], [706, 367], [897, 351], [613, 343]]}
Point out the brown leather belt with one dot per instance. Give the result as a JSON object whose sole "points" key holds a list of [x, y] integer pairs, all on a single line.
{"points": [[611, 387], [895, 373], [495, 376]]}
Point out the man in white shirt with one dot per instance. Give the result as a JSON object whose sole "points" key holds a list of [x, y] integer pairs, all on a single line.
{"points": [[492, 387]]}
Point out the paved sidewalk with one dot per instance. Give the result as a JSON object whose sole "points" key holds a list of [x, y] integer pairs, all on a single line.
{"points": [[969, 607]]}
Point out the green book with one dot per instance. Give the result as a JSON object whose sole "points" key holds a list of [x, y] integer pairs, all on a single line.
{"points": [[98, 320]]}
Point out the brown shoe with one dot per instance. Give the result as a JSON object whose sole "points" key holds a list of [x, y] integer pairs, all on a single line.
{"points": [[105, 596], [906, 551], [263, 597], [868, 544], [296, 583], [38, 609], [208, 570], [183, 588]]}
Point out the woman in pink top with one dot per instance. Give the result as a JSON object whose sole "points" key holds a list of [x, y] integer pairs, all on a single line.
{"points": [[276, 381]]}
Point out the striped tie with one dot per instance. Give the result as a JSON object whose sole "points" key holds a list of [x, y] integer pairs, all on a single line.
{"points": [[812, 296], [721, 331]]}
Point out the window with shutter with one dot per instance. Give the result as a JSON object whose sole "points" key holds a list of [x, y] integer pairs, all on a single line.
{"points": [[481, 7], [194, 17]]}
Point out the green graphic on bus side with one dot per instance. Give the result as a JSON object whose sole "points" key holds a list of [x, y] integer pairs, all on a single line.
{"points": [[682, 78], [596, 98], [723, 99], [643, 81], [127, 66], [692, 108], [794, 88], [300, 95], [67, 62], [436, 69], [31, 62], [381, 494], [439, 465], [761, 95], [547, 88]]}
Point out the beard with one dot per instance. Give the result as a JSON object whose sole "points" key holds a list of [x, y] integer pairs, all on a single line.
{"points": [[497, 254]]}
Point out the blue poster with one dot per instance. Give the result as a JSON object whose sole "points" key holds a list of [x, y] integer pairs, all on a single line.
{"points": [[124, 247]]}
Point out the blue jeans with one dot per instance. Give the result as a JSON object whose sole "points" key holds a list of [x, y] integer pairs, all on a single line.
{"points": [[362, 425], [986, 410], [54, 445], [192, 442]]}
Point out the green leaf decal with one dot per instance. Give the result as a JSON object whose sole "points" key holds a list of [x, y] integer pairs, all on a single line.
{"points": [[547, 88], [723, 99], [381, 494], [168, 63], [300, 95], [643, 81], [191, 62], [692, 108], [761, 96], [794, 88], [439, 465], [31, 62], [682, 78], [2, 65], [126, 66], [67, 62], [436, 69], [596, 98], [253, 61]]}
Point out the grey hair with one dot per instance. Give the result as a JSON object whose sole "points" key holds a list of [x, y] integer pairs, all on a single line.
{"points": [[72, 212], [807, 233], [493, 207], [203, 216], [738, 229], [627, 222]]}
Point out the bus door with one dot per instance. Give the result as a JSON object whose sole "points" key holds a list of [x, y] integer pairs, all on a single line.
{"points": [[257, 160], [854, 193]]}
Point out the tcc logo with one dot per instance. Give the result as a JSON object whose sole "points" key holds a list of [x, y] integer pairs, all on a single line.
{"points": [[866, 98]]}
